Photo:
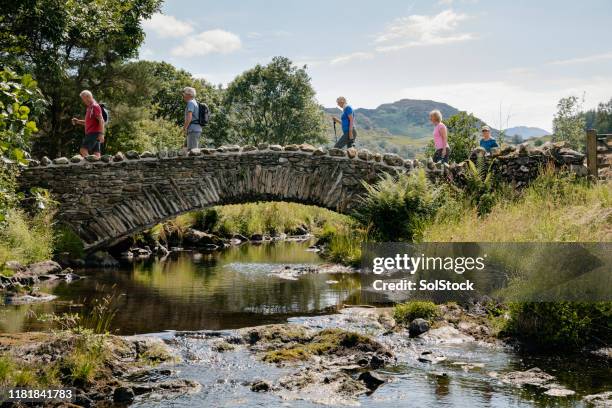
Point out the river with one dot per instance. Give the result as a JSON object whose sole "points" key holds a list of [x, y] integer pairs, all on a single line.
{"points": [[232, 289]]}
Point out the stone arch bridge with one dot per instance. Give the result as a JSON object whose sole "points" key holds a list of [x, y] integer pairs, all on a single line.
{"points": [[105, 200]]}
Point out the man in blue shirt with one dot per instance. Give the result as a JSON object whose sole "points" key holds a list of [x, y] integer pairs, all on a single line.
{"points": [[348, 124], [191, 127], [487, 142]]}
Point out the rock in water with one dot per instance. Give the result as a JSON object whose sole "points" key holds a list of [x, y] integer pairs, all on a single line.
{"points": [[123, 395], [431, 358], [44, 268], [418, 327], [260, 386], [371, 380]]}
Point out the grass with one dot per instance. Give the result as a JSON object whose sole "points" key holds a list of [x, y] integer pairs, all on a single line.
{"points": [[552, 209], [325, 342], [405, 313], [26, 239], [267, 218]]}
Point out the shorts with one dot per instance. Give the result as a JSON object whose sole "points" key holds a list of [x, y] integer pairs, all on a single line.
{"points": [[91, 142]]}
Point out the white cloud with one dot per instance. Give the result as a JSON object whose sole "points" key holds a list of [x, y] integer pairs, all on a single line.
{"points": [[583, 60], [531, 104], [167, 26], [207, 42], [419, 30], [343, 59]]}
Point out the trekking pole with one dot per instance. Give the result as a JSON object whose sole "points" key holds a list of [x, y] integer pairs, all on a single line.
{"points": [[335, 133]]}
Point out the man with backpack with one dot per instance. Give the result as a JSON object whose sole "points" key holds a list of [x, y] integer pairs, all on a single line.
{"points": [[94, 123], [196, 116]]}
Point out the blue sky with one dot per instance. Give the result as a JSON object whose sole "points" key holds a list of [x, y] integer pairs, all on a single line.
{"points": [[508, 62]]}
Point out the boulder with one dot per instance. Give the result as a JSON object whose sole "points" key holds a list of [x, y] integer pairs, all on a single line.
{"points": [[260, 386], [431, 358], [197, 238], [372, 380], [44, 268], [123, 395], [77, 158], [418, 327]]}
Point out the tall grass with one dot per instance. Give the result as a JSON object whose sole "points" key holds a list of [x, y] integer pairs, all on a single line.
{"points": [[253, 218], [26, 239], [554, 208]]}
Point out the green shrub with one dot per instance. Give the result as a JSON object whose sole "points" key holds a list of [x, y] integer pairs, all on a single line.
{"points": [[565, 325], [406, 312], [66, 241], [398, 208]]}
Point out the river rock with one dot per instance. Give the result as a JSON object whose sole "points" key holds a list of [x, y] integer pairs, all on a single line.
{"points": [[431, 357], [418, 327], [601, 400], [446, 334], [197, 238], [123, 395], [372, 380], [533, 376], [559, 392], [260, 386], [44, 268]]}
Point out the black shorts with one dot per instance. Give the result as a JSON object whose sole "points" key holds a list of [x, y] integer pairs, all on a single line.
{"points": [[91, 143]]}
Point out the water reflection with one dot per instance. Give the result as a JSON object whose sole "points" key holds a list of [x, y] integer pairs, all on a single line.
{"points": [[193, 291]]}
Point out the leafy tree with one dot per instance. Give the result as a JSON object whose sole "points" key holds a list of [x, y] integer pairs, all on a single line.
{"points": [[147, 94], [463, 130], [569, 122], [69, 45], [600, 118], [274, 104], [20, 103]]}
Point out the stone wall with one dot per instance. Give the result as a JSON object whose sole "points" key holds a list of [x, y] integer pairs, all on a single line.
{"points": [[107, 199]]}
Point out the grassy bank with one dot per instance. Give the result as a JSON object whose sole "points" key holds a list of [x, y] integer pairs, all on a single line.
{"points": [[556, 207]]}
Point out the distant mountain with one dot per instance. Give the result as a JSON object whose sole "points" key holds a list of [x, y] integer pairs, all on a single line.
{"points": [[406, 117], [525, 132]]}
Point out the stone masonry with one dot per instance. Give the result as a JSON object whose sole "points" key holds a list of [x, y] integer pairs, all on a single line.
{"points": [[105, 200]]}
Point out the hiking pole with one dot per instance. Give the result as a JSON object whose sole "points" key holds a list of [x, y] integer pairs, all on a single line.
{"points": [[335, 133]]}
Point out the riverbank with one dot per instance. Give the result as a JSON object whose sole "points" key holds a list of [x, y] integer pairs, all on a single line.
{"points": [[98, 369]]}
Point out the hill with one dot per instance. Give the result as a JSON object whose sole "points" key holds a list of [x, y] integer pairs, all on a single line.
{"points": [[406, 117], [525, 132]]}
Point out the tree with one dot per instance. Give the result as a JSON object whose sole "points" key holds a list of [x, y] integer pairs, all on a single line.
{"points": [[152, 91], [273, 104], [569, 123], [21, 102], [600, 119], [69, 45]]}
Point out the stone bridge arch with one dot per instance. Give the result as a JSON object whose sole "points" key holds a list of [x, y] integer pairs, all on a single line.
{"points": [[105, 200]]}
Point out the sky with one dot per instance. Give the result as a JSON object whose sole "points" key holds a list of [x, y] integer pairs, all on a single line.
{"points": [[508, 62]]}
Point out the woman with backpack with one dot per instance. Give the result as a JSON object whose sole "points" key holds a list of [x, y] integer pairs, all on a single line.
{"points": [[440, 137]]}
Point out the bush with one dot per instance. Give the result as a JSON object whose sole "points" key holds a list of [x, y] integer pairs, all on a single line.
{"points": [[397, 209], [564, 325], [406, 312], [66, 241]]}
